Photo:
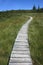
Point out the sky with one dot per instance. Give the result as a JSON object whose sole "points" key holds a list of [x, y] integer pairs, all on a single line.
{"points": [[19, 4]]}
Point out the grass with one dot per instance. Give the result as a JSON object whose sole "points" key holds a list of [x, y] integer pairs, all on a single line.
{"points": [[10, 24], [35, 36], [8, 32]]}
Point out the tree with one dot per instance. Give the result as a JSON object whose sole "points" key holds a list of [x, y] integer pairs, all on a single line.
{"points": [[38, 8], [34, 7]]}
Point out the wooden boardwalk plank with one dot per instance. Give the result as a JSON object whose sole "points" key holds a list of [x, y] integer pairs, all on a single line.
{"points": [[20, 53]]}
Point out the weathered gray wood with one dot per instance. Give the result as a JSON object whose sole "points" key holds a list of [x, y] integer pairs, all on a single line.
{"points": [[20, 53], [24, 49], [20, 63], [20, 60]]}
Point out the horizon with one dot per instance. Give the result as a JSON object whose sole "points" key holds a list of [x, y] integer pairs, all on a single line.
{"points": [[19, 4]]}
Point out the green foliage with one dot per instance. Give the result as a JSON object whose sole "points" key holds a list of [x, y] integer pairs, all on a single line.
{"points": [[36, 39], [38, 7], [34, 7], [10, 24], [8, 31]]}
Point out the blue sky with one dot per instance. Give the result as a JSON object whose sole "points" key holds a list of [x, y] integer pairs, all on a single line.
{"points": [[19, 4]]}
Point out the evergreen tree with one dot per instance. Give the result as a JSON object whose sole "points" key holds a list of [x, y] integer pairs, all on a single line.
{"points": [[38, 7], [34, 7]]}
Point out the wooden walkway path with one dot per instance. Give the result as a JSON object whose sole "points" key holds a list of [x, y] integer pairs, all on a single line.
{"points": [[21, 54]]}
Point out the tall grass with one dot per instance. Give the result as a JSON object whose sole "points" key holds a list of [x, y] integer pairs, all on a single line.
{"points": [[8, 32], [35, 35]]}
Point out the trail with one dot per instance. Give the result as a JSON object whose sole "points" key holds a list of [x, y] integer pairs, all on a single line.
{"points": [[21, 53]]}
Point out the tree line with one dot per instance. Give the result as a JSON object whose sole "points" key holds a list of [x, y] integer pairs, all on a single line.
{"points": [[37, 9]]}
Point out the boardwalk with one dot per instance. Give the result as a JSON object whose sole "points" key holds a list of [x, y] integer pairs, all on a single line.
{"points": [[21, 54]]}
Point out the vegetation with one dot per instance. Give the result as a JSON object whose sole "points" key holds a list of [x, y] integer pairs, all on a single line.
{"points": [[34, 8], [35, 35], [37, 10], [10, 24]]}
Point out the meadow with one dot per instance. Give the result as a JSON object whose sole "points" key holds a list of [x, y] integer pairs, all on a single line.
{"points": [[35, 37], [10, 24]]}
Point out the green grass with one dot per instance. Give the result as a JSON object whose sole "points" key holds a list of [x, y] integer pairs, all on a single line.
{"points": [[10, 24], [8, 32], [35, 35]]}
